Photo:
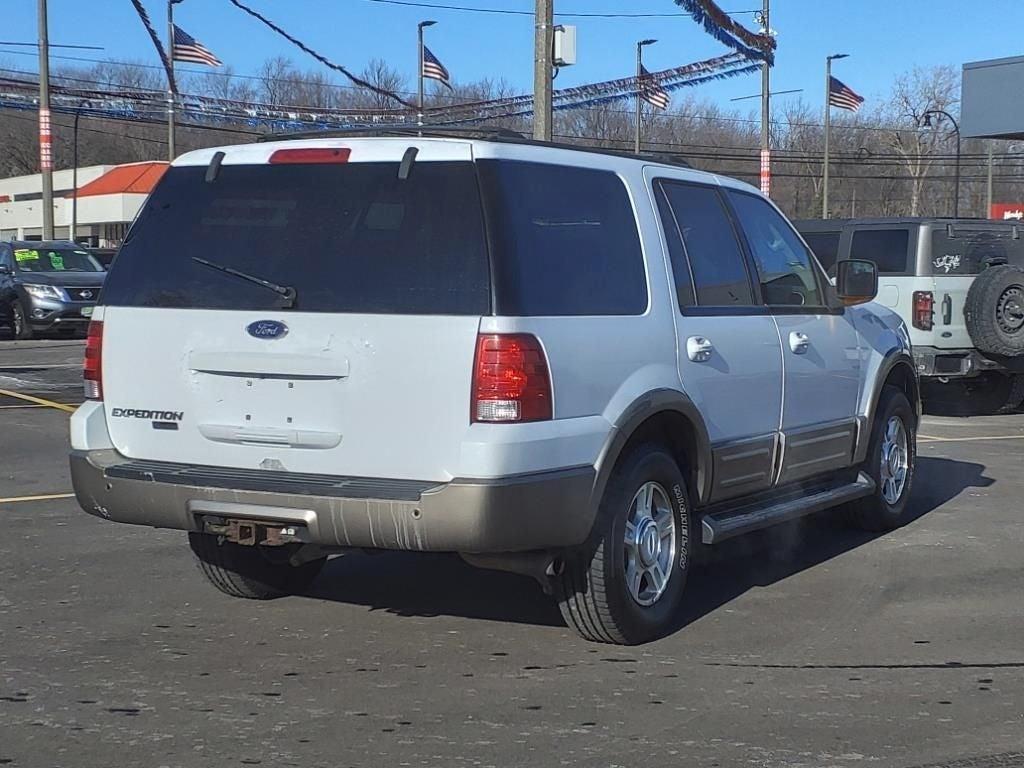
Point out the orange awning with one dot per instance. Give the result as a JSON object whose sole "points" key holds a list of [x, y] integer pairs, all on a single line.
{"points": [[136, 178]]}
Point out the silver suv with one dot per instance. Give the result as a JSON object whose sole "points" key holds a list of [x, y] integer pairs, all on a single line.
{"points": [[564, 363]]}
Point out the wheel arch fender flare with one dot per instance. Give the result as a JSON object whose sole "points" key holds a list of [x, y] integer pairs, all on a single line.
{"points": [[898, 366], [646, 410]]}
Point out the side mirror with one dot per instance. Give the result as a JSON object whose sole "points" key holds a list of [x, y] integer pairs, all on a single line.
{"points": [[856, 281], [5, 270]]}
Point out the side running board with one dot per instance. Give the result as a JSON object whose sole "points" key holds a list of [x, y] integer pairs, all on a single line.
{"points": [[725, 521]]}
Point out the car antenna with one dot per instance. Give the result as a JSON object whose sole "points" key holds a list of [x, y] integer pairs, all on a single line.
{"points": [[407, 160], [214, 167]]}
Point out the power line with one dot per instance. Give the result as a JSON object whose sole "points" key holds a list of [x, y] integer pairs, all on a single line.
{"points": [[55, 45], [511, 12], [319, 57]]}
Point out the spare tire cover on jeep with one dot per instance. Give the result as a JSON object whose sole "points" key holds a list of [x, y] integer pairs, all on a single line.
{"points": [[994, 311]]}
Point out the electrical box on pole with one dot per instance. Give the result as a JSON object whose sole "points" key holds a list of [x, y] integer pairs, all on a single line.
{"points": [[565, 45]]}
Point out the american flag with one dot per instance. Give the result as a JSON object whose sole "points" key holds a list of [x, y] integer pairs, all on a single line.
{"points": [[840, 95], [187, 48], [434, 69], [651, 92]]}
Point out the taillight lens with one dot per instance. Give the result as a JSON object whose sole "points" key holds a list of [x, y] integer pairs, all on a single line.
{"points": [[305, 155], [924, 310], [511, 382], [92, 370]]}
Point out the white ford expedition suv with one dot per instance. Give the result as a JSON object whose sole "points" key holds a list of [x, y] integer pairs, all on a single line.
{"points": [[565, 363]]}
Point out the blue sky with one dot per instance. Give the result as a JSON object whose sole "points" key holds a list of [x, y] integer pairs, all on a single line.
{"points": [[883, 37]]}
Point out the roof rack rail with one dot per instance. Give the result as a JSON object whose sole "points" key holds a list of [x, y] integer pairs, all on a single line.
{"points": [[483, 133], [382, 131]]}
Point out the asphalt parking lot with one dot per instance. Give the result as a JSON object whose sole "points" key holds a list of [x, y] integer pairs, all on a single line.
{"points": [[804, 646]]}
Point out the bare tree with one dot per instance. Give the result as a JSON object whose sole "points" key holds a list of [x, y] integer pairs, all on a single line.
{"points": [[381, 75], [913, 95]]}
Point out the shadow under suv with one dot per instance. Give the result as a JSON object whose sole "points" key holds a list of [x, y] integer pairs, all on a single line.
{"points": [[47, 286]]}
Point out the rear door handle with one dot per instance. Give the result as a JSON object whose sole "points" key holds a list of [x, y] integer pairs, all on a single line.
{"points": [[798, 342], [699, 349]]}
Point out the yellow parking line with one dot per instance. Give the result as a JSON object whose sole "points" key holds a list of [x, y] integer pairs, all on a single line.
{"points": [[931, 438], [39, 401], [43, 497], [9, 407]]}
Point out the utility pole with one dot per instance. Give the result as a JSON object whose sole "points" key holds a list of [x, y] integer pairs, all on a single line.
{"points": [[766, 151], [640, 91], [988, 184], [544, 21], [828, 129], [419, 38], [45, 145], [171, 151]]}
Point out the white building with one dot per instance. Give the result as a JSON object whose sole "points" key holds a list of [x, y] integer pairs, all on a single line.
{"points": [[109, 196]]}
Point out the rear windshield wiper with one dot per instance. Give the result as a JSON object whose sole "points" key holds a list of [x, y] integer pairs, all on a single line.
{"points": [[286, 292]]}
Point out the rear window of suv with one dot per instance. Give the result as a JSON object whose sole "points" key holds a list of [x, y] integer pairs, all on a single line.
{"points": [[347, 237], [354, 238], [968, 251]]}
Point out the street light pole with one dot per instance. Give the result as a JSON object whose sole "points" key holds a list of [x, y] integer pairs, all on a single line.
{"points": [[45, 136], [419, 39], [927, 120], [543, 40], [828, 129], [639, 91]]}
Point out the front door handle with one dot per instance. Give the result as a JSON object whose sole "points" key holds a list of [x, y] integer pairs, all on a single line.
{"points": [[699, 349], [799, 343]]}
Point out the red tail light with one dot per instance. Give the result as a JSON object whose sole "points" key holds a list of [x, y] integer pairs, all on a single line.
{"points": [[924, 310], [311, 155], [92, 370], [511, 382]]}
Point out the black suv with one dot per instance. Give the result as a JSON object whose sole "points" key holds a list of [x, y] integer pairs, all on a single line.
{"points": [[47, 286]]}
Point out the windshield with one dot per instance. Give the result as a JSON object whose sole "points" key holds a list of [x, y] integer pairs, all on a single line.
{"points": [[54, 260]]}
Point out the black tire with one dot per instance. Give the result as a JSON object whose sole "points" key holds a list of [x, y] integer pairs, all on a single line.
{"points": [[875, 512], [253, 573], [994, 311], [592, 590], [20, 326]]}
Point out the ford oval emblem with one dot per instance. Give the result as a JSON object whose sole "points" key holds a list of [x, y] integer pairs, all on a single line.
{"points": [[267, 329]]}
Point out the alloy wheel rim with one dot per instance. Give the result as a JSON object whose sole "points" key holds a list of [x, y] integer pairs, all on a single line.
{"points": [[18, 321], [650, 544], [895, 460]]}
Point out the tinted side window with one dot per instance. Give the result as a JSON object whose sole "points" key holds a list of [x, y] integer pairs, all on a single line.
{"points": [[886, 247], [714, 255], [565, 241], [826, 247], [784, 265], [680, 266], [5, 257]]}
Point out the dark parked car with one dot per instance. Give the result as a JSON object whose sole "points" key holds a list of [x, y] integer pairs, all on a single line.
{"points": [[47, 286]]}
